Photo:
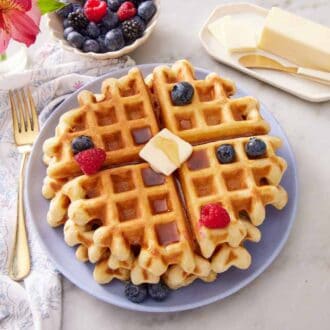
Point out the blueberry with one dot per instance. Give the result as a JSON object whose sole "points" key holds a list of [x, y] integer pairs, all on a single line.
{"points": [[136, 293], [158, 291], [226, 153], [255, 147], [91, 45], [114, 39], [66, 23], [182, 93], [92, 30], [110, 20], [65, 11], [75, 39], [146, 10], [77, 6], [67, 31], [137, 2], [115, 4], [100, 40], [81, 143]]}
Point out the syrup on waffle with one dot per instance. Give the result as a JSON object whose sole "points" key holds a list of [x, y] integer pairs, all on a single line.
{"points": [[243, 188], [129, 220], [135, 206], [121, 124], [211, 114]]}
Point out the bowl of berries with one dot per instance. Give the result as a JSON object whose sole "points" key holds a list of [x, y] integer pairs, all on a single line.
{"points": [[104, 29]]}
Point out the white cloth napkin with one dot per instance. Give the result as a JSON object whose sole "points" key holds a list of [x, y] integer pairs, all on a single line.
{"points": [[54, 74]]}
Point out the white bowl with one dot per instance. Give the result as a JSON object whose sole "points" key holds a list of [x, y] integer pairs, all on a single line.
{"points": [[55, 26]]}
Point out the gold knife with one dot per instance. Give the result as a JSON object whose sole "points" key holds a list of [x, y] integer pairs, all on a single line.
{"points": [[263, 62]]}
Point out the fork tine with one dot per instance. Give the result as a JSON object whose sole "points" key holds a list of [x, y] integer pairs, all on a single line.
{"points": [[20, 110], [16, 127], [26, 111], [34, 115]]}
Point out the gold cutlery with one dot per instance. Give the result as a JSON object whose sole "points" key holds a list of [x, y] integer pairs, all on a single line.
{"points": [[263, 62], [25, 130]]}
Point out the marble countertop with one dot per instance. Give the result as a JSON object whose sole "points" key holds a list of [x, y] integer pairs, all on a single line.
{"points": [[293, 293]]}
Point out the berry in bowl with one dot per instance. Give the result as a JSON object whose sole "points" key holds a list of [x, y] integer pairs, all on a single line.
{"points": [[104, 29]]}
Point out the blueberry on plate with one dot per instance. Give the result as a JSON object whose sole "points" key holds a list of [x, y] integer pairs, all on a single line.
{"points": [[136, 293], [92, 30], [115, 4], [67, 31], [114, 40], [91, 45], [146, 10], [158, 291], [226, 154], [75, 39], [255, 147], [182, 93], [110, 21], [81, 143]]}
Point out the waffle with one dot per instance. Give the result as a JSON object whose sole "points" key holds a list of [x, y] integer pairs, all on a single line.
{"points": [[175, 277], [108, 267], [243, 188], [134, 206], [135, 224], [211, 114], [121, 123]]}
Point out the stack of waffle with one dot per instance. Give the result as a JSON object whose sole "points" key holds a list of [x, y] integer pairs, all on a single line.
{"points": [[139, 225]]}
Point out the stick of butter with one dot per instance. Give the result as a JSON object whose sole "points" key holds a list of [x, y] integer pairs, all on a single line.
{"points": [[297, 39], [165, 152], [234, 35]]}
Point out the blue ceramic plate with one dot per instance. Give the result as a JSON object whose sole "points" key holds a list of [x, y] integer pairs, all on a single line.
{"points": [[275, 229]]}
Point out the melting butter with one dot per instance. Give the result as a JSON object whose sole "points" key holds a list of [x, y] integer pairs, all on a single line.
{"points": [[169, 147]]}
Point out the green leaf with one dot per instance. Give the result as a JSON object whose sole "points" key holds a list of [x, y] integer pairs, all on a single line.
{"points": [[48, 6], [3, 57]]}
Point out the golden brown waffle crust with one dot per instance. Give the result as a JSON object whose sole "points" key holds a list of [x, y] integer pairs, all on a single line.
{"points": [[112, 124], [105, 214], [211, 114]]}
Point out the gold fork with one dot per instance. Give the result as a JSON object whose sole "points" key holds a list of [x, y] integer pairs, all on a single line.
{"points": [[25, 129]]}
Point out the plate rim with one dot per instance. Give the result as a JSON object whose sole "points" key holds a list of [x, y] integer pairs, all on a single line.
{"points": [[162, 309]]}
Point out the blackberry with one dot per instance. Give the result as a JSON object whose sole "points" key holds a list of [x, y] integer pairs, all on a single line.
{"points": [[78, 20], [133, 29]]}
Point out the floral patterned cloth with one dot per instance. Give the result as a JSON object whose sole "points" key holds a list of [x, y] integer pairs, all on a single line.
{"points": [[54, 74]]}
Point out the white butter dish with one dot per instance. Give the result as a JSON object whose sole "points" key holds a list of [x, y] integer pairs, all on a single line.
{"points": [[255, 15]]}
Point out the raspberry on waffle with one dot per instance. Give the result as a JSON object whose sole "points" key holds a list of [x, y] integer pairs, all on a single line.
{"points": [[120, 123], [242, 187]]}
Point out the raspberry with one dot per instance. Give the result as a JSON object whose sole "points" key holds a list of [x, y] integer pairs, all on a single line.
{"points": [[214, 216], [126, 11], [95, 10], [90, 160]]}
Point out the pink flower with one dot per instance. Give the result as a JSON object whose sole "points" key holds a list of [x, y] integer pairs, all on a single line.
{"points": [[19, 20]]}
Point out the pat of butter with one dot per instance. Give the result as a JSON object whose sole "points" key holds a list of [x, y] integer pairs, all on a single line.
{"points": [[297, 39], [234, 35], [165, 152]]}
